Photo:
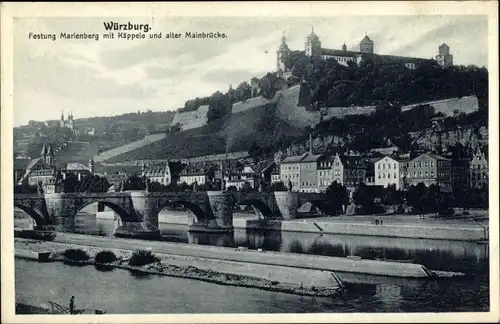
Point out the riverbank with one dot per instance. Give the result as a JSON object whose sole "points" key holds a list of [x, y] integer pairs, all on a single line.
{"points": [[23, 309], [406, 226], [271, 278]]}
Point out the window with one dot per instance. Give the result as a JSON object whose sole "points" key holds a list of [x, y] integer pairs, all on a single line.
{"points": [[383, 166], [395, 166], [419, 164], [420, 174], [426, 164], [415, 174], [379, 166], [395, 176], [388, 175], [388, 165], [426, 173], [414, 164]]}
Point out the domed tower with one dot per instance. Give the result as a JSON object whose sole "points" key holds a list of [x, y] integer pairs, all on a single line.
{"points": [[366, 45], [281, 56], [62, 123], [71, 122], [344, 48], [313, 44]]}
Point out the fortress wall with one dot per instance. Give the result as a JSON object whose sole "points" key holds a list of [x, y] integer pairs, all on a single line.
{"points": [[288, 109], [341, 112], [191, 119], [129, 147], [250, 104], [466, 105]]}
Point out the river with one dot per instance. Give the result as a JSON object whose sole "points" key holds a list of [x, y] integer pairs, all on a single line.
{"points": [[119, 291]]}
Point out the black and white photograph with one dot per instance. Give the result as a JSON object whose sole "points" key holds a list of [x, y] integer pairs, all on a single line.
{"points": [[284, 159]]}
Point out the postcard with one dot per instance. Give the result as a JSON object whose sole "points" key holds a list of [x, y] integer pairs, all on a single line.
{"points": [[250, 162]]}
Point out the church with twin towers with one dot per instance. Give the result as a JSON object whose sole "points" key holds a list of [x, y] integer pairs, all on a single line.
{"points": [[366, 50]]}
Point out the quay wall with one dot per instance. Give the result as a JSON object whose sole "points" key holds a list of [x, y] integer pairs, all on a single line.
{"points": [[32, 255], [304, 261], [306, 278], [435, 232], [413, 231]]}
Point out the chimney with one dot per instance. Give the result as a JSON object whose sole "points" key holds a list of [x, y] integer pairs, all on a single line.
{"points": [[310, 143]]}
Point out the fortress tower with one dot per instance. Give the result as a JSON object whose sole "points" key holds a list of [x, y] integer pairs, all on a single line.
{"points": [[313, 44], [366, 45], [281, 56], [444, 58]]}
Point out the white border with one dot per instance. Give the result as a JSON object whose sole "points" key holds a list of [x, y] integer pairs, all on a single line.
{"points": [[302, 9]]}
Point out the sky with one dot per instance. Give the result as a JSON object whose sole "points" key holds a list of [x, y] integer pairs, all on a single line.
{"points": [[111, 77]]}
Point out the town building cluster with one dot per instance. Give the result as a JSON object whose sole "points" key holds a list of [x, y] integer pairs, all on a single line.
{"points": [[345, 57], [307, 172], [314, 173]]}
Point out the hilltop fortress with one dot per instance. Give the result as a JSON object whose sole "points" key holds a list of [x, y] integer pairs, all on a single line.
{"points": [[343, 56], [287, 107], [287, 99]]}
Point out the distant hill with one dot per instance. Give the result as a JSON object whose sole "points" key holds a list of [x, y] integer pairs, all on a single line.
{"points": [[93, 134]]}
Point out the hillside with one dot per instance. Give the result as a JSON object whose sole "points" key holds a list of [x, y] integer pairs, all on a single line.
{"points": [[232, 133]]}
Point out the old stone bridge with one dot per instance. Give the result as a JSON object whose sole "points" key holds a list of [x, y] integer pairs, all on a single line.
{"points": [[138, 210]]}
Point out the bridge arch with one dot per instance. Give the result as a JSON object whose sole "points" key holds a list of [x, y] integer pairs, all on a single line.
{"points": [[34, 213], [197, 211], [261, 206], [122, 213]]}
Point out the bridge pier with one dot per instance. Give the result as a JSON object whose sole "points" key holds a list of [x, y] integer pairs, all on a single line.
{"points": [[219, 214], [288, 203], [61, 212], [146, 212]]}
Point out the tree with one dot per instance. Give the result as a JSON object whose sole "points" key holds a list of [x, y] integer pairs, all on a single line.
{"points": [[336, 197], [365, 197], [256, 152], [269, 85], [71, 183], [461, 196], [434, 199], [243, 92], [277, 186], [175, 128], [25, 188], [416, 198], [391, 196], [220, 105], [98, 184], [134, 182]]}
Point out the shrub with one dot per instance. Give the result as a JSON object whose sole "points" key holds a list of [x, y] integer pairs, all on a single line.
{"points": [[76, 255], [378, 209], [140, 258], [105, 257]]}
